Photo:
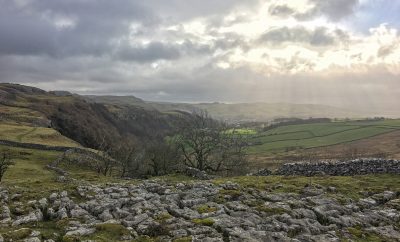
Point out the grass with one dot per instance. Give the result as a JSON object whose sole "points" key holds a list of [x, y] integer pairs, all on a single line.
{"points": [[205, 209], [204, 221], [242, 131], [17, 234], [29, 177], [37, 135], [173, 178], [359, 235], [184, 239], [109, 232], [19, 112], [163, 217], [270, 211], [305, 136], [349, 186]]}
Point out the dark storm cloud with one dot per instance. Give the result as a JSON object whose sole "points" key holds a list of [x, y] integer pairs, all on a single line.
{"points": [[318, 37], [30, 29], [20, 35]]}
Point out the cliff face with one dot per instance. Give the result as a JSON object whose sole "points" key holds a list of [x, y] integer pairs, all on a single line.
{"points": [[90, 123]]}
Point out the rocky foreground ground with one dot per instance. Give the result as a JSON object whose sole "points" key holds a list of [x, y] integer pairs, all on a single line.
{"points": [[202, 211]]}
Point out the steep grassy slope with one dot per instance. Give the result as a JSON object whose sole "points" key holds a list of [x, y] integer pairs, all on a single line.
{"points": [[35, 135], [72, 116]]}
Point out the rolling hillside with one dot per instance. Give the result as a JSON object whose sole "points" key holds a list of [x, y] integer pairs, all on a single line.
{"points": [[305, 136], [31, 115]]}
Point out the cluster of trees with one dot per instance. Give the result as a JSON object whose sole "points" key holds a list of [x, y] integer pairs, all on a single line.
{"points": [[200, 142]]}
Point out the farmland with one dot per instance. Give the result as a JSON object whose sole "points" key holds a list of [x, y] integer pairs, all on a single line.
{"points": [[306, 136]]}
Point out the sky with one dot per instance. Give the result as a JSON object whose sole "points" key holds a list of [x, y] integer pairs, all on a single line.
{"points": [[337, 52]]}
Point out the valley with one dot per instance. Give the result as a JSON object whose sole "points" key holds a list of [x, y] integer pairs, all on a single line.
{"points": [[40, 131]]}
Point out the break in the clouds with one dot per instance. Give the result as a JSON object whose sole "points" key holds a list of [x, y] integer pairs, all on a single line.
{"points": [[315, 51]]}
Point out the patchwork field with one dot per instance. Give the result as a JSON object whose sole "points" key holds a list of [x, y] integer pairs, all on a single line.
{"points": [[306, 136]]}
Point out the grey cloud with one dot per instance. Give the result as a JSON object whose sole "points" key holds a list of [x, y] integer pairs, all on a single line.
{"points": [[87, 57], [281, 10], [318, 37], [29, 29], [386, 50], [154, 51], [22, 36], [148, 53], [334, 10], [180, 10]]}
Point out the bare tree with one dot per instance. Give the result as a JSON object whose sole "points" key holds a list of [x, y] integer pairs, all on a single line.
{"points": [[233, 158], [130, 158], [106, 163], [205, 144], [5, 163], [163, 158]]}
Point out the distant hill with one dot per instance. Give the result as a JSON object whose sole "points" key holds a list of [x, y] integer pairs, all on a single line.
{"points": [[268, 111], [72, 116], [119, 100], [239, 112]]}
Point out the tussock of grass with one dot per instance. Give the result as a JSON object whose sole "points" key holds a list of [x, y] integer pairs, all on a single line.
{"points": [[17, 234], [270, 211], [184, 239], [358, 235], [112, 230], [205, 209], [162, 217], [204, 221], [173, 178]]}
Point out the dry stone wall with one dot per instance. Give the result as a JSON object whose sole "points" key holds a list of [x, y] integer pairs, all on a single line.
{"points": [[345, 168]]}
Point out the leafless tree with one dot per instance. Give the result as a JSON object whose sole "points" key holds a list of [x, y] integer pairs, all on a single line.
{"points": [[130, 158], [206, 145], [106, 163], [163, 157], [5, 163]]}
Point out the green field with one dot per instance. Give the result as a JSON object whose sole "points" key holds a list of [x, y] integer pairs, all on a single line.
{"points": [[35, 135], [305, 136]]}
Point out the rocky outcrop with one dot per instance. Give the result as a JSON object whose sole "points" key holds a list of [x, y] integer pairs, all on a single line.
{"points": [[204, 211], [345, 168], [196, 173]]}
